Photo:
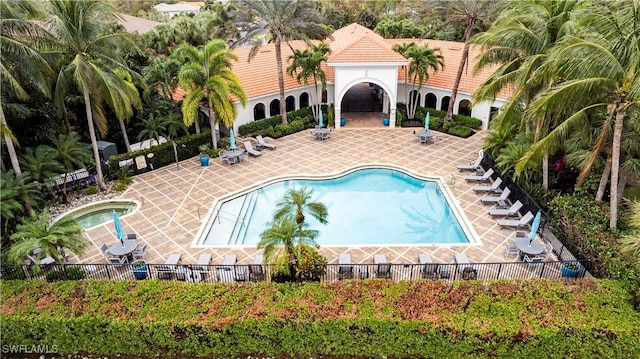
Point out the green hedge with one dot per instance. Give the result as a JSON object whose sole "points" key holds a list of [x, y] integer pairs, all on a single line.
{"points": [[461, 126], [372, 318], [273, 128]]}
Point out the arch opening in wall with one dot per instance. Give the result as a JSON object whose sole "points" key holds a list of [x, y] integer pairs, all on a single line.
{"points": [[274, 108], [362, 97], [430, 101], [290, 103], [258, 112], [304, 100], [464, 108], [445, 103]]}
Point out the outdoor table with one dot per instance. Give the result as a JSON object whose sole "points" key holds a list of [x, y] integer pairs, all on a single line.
{"points": [[123, 249], [425, 136], [320, 133], [236, 153], [525, 247]]}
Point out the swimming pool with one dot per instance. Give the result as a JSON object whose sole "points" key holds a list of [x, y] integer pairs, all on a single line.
{"points": [[367, 207], [93, 214]]}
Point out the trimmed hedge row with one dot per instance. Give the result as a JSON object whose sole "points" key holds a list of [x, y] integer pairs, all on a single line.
{"points": [[461, 126], [352, 318], [273, 127]]}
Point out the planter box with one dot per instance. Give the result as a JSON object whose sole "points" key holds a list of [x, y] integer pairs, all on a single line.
{"points": [[385, 121], [139, 269], [570, 272], [204, 160]]}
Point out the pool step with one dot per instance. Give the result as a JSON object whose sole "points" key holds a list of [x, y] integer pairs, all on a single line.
{"points": [[241, 220], [224, 222], [251, 207]]}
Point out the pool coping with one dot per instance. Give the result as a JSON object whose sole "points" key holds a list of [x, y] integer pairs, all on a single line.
{"points": [[137, 203], [454, 203]]}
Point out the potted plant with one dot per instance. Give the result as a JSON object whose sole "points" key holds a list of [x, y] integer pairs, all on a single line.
{"points": [[385, 119], [139, 269], [570, 269], [204, 154]]}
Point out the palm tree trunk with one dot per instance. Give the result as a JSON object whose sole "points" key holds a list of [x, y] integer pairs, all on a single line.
{"points": [[197, 124], [463, 60], [13, 156], [283, 105], [622, 183], [317, 107], [94, 141], [212, 123], [67, 122], [615, 165], [123, 128], [604, 179], [545, 171]]}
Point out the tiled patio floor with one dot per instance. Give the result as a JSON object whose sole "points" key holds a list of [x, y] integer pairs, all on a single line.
{"points": [[175, 201]]}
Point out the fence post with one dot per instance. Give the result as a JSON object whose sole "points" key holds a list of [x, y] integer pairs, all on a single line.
{"points": [[499, 270]]}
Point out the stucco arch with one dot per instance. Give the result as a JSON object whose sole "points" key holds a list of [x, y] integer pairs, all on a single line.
{"points": [[387, 84]]}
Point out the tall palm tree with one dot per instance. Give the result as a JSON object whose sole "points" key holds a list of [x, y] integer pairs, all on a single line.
{"points": [[162, 75], [599, 71], [88, 60], [473, 14], [422, 59], [282, 21], [19, 195], [38, 231], [518, 41], [21, 66], [136, 103], [308, 64], [206, 73], [283, 240], [297, 202], [71, 153]]}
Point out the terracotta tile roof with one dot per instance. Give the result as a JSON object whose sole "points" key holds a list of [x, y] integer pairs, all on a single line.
{"points": [[352, 43], [136, 24]]}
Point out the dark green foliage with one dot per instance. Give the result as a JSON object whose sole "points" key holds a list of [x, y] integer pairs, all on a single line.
{"points": [[461, 126], [467, 121], [373, 318], [69, 273], [312, 266], [224, 143], [460, 131], [269, 126], [297, 125]]}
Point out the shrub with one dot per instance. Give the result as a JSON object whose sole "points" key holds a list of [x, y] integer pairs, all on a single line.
{"points": [[460, 131], [224, 142], [120, 186], [313, 265], [399, 118], [297, 125], [91, 190], [284, 129], [467, 121]]}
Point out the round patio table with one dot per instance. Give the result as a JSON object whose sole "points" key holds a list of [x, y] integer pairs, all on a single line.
{"points": [[123, 249], [525, 247], [233, 154]]}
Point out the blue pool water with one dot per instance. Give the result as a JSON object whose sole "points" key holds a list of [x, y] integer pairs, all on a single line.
{"points": [[366, 207]]}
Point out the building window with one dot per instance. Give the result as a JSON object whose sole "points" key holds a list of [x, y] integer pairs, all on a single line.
{"points": [[258, 112], [291, 103], [304, 100], [324, 96], [464, 108], [445, 103], [430, 100], [274, 108]]}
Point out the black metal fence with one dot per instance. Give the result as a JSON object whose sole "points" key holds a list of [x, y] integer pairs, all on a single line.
{"points": [[331, 272], [564, 247]]}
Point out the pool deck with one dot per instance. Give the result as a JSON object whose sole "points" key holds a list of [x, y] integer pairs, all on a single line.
{"points": [[175, 201]]}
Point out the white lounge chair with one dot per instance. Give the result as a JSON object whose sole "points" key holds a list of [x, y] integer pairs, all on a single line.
{"points": [[345, 266], [250, 149], [429, 269], [256, 271], [485, 177], [473, 165], [495, 186], [226, 272], [495, 199], [263, 144], [509, 212], [464, 267], [168, 270], [382, 266], [517, 223]]}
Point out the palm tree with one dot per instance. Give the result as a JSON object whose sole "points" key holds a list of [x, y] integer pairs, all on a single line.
{"points": [[87, 59], [42, 165], [295, 203], [19, 195], [422, 59], [136, 103], [71, 153], [37, 231], [207, 73], [473, 14], [283, 242], [153, 128], [630, 243], [308, 64], [20, 64], [162, 75], [282, 21], [598, 69]]}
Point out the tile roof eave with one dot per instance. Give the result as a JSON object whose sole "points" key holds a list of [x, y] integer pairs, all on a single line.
{"points": [[356, 64]]}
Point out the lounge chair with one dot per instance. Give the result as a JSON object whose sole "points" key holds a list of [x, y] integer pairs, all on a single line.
{"points": [[429, 270], [256, 271], [495, 187], [226, 272], [249, 147], [345, 266], [168, 270], [496, 199], [517, 223], [382, 266], [485, 177], [509, 212], [473, 165], [202, 265], [263, 144], [464, 267]]}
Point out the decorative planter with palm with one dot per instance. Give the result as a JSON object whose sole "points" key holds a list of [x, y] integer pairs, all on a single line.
{"points": [[204, 154], [570, 269], [139, 269]]}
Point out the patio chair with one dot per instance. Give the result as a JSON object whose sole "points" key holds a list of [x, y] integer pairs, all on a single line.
{"points": [[533, 260], [485, 177], [139, 253], [495, 187], [250, 149], [226, 271], [345, 266], [517, 223], [132, 236], [105, 251], [465, 268], [473, 165], [548, 250], [263, 144], [509, 212], [120, 260], [256, 271], [495, 199], [511, 248], [223, 158], [231, 160], [202, 265], [168, 270], [382, 266], [429, 270]]}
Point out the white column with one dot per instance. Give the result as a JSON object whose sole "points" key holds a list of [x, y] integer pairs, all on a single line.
{"points": [[336, 116], [385, 103], [392, 118]]}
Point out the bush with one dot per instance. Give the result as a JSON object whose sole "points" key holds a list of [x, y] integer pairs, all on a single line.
{"points": [[224, 143], [284, 129], [297, 125], [459, 131], [313, 266], [91, 190], [120, 186], [69, 273], [268, 126], [467, 121]]}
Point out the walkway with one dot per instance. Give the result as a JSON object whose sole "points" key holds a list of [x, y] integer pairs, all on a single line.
{"points": [[175, 201]]}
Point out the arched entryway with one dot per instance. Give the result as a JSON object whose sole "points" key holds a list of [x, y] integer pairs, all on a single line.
{"points": [[362, 105]]}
